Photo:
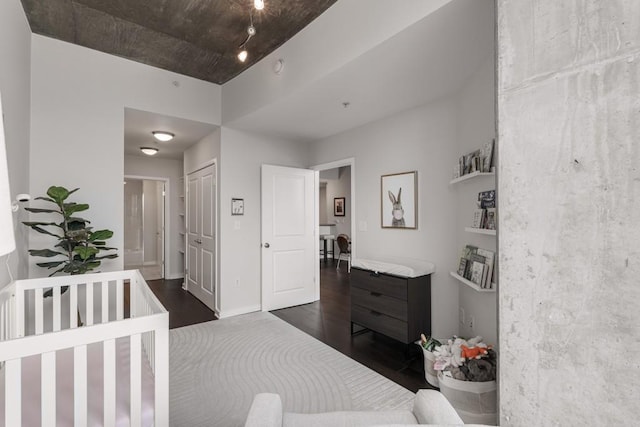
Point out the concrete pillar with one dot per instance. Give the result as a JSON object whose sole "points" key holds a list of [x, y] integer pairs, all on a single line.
{"points": [[569, 226]]}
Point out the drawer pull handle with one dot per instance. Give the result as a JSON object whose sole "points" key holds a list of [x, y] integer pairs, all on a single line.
{"points": [[374, 274], [376, 294], [375, 313]]}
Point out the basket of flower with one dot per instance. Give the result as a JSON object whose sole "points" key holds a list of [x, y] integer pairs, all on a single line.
{"points": [[467, 377]]}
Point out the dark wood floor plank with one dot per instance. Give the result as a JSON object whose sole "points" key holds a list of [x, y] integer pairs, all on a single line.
{"points": [[184, 309]]}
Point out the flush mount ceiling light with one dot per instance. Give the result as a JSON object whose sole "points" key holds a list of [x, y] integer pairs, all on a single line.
{"points": [[162, 135], [149, 151]]}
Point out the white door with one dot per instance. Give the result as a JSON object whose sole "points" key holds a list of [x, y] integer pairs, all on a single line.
{"points": [[290, 269], [160, 225], [201, 220]]}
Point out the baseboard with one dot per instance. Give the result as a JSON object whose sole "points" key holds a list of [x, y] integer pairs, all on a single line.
{"points": [[174, 276], [154, 262], [238, 311]]}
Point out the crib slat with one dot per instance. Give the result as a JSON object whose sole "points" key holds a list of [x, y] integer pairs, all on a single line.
{"points": [[136, 380], [105, 301], [119, 299], [89, 303], [161, 377], [80, 385], [48, 384], [73, 306], [13, 393], [109, 382], [39, 311], [19, 313], [56, 309]]}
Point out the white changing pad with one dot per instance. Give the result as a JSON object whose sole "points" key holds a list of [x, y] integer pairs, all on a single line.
{"points": [[405, 267]]}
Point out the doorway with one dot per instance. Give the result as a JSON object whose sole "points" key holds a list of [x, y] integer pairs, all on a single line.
{"points": [[144, 226]]}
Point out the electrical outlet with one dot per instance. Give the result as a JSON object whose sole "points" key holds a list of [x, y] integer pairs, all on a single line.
{"points": [[472, 322], [461, 315]]}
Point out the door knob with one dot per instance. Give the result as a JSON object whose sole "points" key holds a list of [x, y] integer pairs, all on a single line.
{"points": [[266, 245], [198, 241]]}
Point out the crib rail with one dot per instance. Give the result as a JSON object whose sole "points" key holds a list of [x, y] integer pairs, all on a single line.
{"points": [[94, 311]]}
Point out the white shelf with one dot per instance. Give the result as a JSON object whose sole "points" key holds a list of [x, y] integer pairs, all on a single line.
{"points": [[180, 214], [470, 284], [480, 231], [181, 233], [181, 251], [471, 176]]}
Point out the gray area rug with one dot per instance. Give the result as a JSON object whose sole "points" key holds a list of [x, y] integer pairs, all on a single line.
{"points": [[217, 367]]}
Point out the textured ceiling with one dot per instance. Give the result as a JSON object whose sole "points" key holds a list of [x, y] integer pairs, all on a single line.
{"points": [[197, 38]]}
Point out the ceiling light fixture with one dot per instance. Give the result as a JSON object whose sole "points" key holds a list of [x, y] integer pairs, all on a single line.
{"points": [[258, 4], [242, 56], [162, 135], [149, 151], [251, 31]]}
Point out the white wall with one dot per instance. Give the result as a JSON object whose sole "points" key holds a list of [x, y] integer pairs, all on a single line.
{"points": [[243, 155], [476, 125], [421, 139], [15, 72], [150, 224], [171, 169], [322, 206], [77, 104]]}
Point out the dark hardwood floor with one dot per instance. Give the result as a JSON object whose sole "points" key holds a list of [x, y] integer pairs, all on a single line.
{"points": [[327, 320], [184, 309]]}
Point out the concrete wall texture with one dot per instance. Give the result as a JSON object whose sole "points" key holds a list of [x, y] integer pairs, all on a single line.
{"points": [[569, 191]]}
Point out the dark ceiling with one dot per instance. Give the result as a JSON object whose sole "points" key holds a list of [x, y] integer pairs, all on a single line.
{"points": [[197, 38]]}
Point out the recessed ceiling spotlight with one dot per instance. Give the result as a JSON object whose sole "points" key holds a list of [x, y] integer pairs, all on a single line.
{"points": [[258, 4], [162, 135], [149, 151]]}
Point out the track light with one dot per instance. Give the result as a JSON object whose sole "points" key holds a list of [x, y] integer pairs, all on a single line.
{"points": [[149, 151], [162, 135], [258, 4]]}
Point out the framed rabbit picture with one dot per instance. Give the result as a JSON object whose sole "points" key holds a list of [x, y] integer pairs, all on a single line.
{"points": [[399, 200]]}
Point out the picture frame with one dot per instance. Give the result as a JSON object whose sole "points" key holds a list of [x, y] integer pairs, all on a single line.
{"points": [[339, 207], [399, 200], [237, 206]]}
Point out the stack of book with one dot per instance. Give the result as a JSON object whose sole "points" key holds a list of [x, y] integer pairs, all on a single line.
{"points": [[485, 215], [477, 265], [476, 161]]}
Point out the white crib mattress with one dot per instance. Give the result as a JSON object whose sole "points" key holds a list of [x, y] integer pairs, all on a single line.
{"points": [[404, 267], [31, 394]]}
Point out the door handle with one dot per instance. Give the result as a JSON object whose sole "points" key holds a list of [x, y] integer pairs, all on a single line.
{"points": [[267, 245], [198, 241]]}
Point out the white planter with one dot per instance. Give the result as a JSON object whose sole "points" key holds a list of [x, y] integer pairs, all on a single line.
{"points": [[475, 402]]}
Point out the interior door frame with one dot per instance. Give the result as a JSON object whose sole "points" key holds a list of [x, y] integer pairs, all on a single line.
{"points": [[167, 217], [351, 161], [216, 276]]}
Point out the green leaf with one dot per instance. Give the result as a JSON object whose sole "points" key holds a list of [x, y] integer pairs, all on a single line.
{"points": [[45, 198], [111, 256], [45, 253], [85, 252], [59, 194], [66, 245], [76, 218], [32, 223], [71, 208], [100, 235], [43, 231], [49, 264], [38, 210], [76, 225]]}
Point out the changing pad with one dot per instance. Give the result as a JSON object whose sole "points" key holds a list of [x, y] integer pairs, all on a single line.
{"points": [[405, 267]]}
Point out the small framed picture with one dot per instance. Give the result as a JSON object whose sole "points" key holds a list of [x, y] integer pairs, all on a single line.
{"points": [[338, 206], [399, 200], [237, 206]]}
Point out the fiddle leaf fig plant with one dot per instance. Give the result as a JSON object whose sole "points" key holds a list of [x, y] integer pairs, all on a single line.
{"points": [[79, 248]]}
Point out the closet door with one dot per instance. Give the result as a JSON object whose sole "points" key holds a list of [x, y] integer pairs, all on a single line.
{"points": [[201, 220]]}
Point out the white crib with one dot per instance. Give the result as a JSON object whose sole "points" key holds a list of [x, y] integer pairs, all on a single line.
{"points": [[111, 370]]}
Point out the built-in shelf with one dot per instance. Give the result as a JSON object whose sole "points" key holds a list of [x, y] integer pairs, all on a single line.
{"points": [[480, 231], [472, 285], [470, 176]]}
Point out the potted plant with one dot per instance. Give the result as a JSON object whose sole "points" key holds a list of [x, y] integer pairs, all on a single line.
{"points": [[79, 249]]}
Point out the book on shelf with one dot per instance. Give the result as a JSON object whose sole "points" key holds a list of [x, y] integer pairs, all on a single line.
{"points": [[486, 156], [487, 199], [491, 219], [489, 258], [478, 218], [462, 267], [476, 272]]}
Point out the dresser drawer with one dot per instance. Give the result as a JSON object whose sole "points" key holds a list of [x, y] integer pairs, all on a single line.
{"points": [[383, 284], [379, 322], [381, 303]]}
